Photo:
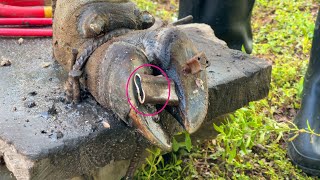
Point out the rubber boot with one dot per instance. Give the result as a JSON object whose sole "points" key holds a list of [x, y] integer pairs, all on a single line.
{"points": [[304, 150], [230, 19]]}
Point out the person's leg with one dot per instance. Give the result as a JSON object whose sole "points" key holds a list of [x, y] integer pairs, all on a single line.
{"points": [[230, 19], [305, 149]]}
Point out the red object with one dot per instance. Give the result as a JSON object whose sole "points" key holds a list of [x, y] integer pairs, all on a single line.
{"points": [[23, 2], [25, 21], [16, 11], [25, 32]]}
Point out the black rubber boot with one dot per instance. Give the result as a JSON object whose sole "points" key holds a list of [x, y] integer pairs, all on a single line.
{"points": [[304, 151], [230, 19]]}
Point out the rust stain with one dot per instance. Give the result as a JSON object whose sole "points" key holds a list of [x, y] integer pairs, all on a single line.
{"points": [[196, 64]]}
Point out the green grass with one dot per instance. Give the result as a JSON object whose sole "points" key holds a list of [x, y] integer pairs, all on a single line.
{"points": [[166, 11], [252, 142]]}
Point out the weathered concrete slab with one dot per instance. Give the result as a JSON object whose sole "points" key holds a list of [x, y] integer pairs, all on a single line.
{"points": [[71, 141]]}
